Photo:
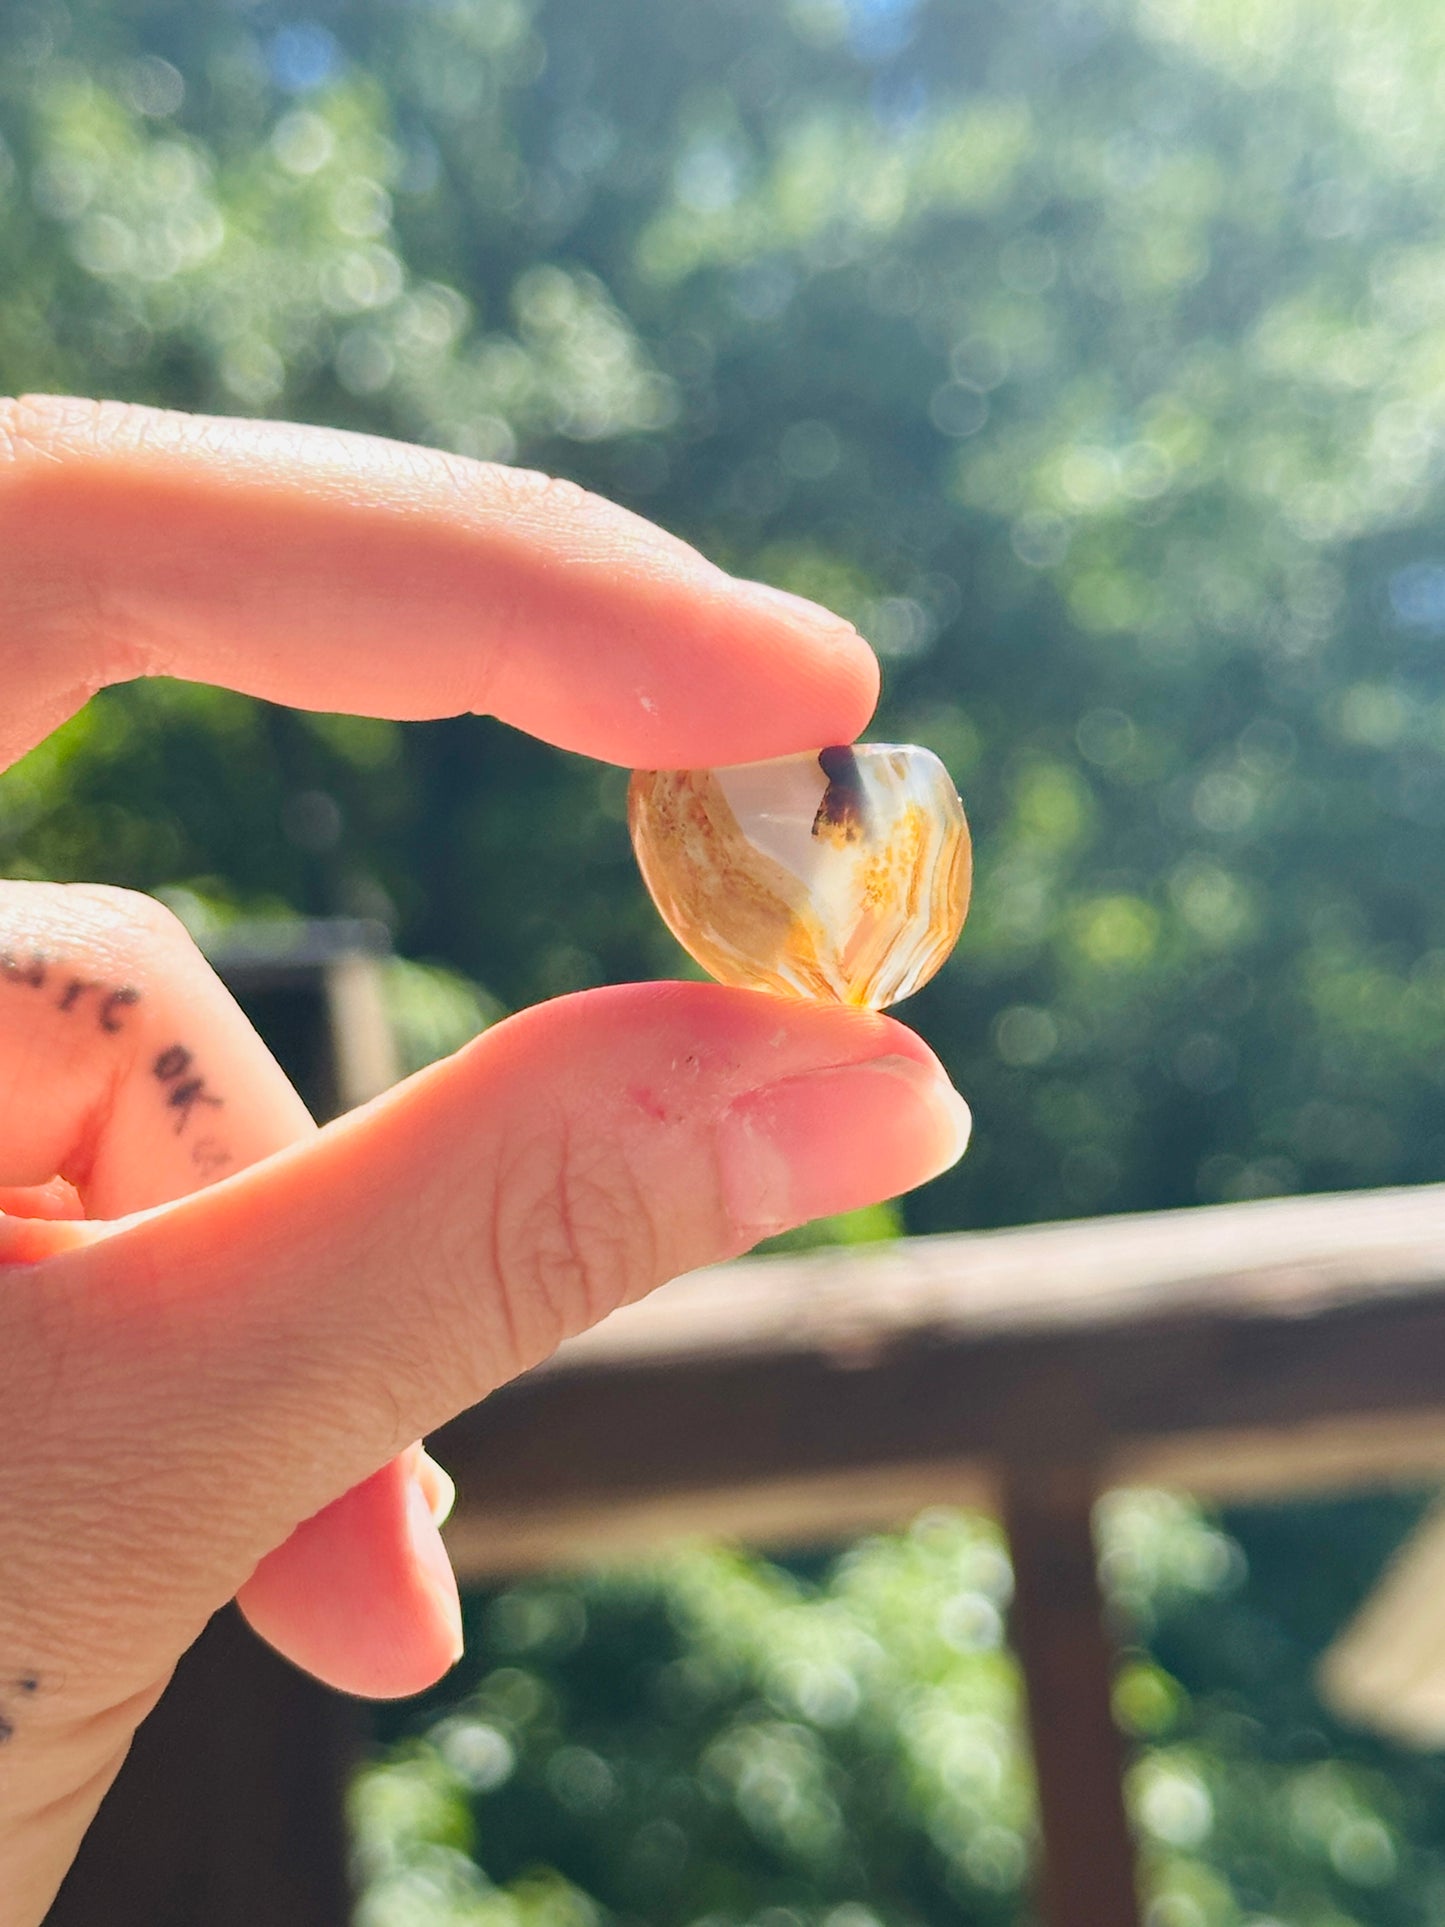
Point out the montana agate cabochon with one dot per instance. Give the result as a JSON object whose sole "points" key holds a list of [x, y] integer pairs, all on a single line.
{"points": [[841, 876]]}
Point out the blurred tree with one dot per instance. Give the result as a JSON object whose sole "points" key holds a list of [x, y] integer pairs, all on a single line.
{"points": [[720, 1740], [1027, 336], [1086, 352]]}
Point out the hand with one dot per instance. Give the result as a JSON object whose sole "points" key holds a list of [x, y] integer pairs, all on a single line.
{"points": [[222, 1329]]}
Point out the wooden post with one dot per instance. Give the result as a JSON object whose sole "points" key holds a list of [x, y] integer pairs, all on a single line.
{"points": [[1088, 1874]]}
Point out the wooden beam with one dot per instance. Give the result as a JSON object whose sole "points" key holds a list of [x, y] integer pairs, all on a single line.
{"points": [[1090, 1274], [489, 1540], [1279, 1343], [1403, 1451], [1057, 1625]]}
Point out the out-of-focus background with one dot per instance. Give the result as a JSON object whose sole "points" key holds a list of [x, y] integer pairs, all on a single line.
{"points": [[1090, 354]]}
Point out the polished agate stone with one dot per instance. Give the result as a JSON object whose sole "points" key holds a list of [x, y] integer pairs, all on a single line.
{"points": [[842, 876]]}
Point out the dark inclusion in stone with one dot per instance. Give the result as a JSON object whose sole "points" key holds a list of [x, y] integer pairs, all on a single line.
{"points": [[843, 808]]}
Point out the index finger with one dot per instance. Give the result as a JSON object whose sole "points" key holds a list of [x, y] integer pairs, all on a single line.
{"points": [[338, 571]]}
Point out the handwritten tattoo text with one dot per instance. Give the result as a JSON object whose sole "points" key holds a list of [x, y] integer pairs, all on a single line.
{"points": [[183, 1091], [107, 1005], [39, 971]]}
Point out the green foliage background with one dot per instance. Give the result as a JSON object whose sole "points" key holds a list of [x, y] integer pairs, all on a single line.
{"points": [[1089, 354]]}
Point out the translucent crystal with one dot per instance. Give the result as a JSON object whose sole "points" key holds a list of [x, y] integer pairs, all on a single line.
{"points": [[841, 876]]}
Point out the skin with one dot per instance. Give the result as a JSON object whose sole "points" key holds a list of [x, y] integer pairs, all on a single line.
{"points": [[225, 1330]]}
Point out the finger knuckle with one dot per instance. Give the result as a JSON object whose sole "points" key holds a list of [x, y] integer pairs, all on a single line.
{"points": [[38, 435], [24, 430], [530, 494], [12, 428], [57, 594], [573, 1237], [35, 429]]}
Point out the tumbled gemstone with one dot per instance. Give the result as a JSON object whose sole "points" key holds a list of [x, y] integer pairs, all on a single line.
{"points": [[841, 876]]}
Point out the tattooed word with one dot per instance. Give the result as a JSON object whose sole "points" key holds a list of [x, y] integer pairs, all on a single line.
{"points": [[28, 1685], [174, 1069], [31, 972], [183, 1091], [41, 972]]}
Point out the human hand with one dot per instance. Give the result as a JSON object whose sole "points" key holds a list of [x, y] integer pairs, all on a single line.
{"points": [[215, 1375]]}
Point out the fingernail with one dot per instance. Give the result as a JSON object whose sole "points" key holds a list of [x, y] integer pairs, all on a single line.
{"points": [[832, 1140], [784, 602], [438, 1485], [431, 1556]]}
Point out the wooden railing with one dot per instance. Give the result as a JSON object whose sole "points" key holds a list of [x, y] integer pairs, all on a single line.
{"points": [[1266, 1347], [1252, 1349]]}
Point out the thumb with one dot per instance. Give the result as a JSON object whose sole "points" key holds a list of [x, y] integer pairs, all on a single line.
{"points": [[300, 1323]]}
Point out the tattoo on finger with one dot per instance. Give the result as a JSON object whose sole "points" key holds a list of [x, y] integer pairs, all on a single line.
{"points": [[28, 1685], [38, 970], [31, 971], [184, 1091], [174, 1069]]}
